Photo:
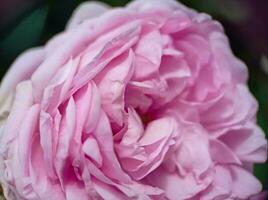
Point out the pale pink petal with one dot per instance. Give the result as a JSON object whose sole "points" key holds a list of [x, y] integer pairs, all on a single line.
{"points": [[107, 192], [87, 10], [177, 22], [193, 154], [112, 83], [221, 153], [75, 190], [94, 110], [91, 149], [247, 142], [55, 93], [86, 108], [145, 102], [22, 69], [136, 99], [221, 186], [149, 149], [221, 48], [175, 186], [244, 184], [153, 5], [67, 128], [46, 141], [147, 62], [23, 100], [111, 166], [135, 128], [22, 158], [74, 45], [41, 183], [157, 130]]}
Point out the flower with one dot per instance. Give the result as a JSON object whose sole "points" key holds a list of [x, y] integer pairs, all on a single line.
{"points": [[142, 102]]}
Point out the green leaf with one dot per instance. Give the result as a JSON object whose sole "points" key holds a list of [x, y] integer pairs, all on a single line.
{"points": [[25, 35]]}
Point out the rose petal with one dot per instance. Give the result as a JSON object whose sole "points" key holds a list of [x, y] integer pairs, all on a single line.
{"points": [[244, 184], [86, 10]]}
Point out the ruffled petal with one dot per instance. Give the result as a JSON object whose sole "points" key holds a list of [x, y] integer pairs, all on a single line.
{"points": [[86, 10]]}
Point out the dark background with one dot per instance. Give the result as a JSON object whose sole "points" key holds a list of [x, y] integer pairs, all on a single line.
{"points": [[28, 23]]}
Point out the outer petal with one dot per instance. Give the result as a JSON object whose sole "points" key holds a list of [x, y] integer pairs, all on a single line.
{"points": [[21, 70], [22, 102], [175, 186], [221, 186], [247, 142], [74, 45], [16, 169], [221, 153], [244, 184], [87, 10], [5, 107], [152, 5], [225, 58], [193, 154]]}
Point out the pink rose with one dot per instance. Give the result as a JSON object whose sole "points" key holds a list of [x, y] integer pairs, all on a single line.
{"points": [[143, 102]]}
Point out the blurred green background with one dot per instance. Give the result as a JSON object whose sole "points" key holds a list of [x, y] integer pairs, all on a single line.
{"points": [[29, 23]]}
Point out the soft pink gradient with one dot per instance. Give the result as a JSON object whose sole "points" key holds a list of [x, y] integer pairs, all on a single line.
{"points": [[142, 102]]}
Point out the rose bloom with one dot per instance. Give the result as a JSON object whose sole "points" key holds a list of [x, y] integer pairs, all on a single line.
{"points": [[142, 102]]}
